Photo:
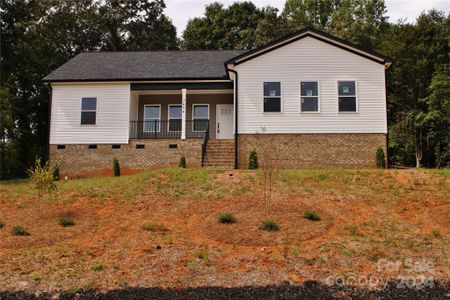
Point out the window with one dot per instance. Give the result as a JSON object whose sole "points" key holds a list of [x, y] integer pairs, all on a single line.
{"points": [[152, 115], [174, 117], [309, 96], [272, 97], [200, 115], [88, 111], [347, 96]]}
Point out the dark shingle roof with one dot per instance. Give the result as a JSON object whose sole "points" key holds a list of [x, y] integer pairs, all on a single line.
{"points": [[148, 65]]}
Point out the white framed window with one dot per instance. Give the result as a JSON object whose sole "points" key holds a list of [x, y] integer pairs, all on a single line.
{"points": [[152, 116], [272, 96], [174, 117], [88, 111], [347, 96], [309, 96], [200, 117]]}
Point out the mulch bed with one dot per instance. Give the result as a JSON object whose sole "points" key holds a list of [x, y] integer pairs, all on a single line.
{"points": [[288, 214], [309, 290]]}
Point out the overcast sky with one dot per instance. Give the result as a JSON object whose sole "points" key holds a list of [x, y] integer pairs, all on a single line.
{"points": [[180, 11]]}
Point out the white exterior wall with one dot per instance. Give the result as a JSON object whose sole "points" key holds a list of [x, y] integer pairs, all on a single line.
{"points": [[113, 108], [309, 59]]}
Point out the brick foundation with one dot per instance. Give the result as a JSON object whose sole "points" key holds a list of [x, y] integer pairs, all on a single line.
{"points": [[314, 150], [80, 161]]}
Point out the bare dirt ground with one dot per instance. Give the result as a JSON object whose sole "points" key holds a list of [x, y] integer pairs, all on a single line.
{"points": [[380, 225]]}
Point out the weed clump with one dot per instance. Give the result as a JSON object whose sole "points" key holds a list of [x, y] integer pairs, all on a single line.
{"points": [[311, 215], [2, 224], [269, 225], [42, 177], [155, 228], [66, 221], [19, 230], [227, 218]]}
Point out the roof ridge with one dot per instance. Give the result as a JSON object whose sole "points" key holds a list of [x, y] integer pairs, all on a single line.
{"points": [[165, 51]]}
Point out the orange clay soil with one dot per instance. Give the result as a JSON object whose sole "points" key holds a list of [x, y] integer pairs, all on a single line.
{"points": [[365, 215], [288, 215]]}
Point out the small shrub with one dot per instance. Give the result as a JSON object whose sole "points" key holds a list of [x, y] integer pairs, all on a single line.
{"points": [[155, 227], [116, 168], [379, 159], [253, 160], [204, 255], [2, 224], [311, 215], [182, 162], [56, 176], [227, 218], [42, 177], [97, 267], [436, 234], [19, 230], [269, 225], [66, 221]]}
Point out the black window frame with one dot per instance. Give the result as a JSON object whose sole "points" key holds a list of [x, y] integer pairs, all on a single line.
{"points": [[202, 122], [83, 121], [266, 98], [343, 97], [175, 121], [317, 97]]}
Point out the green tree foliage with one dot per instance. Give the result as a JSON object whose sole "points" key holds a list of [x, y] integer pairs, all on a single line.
{"points": [[359, 21], [436, 120], [417, 49], [39, 36], [240, 26]]}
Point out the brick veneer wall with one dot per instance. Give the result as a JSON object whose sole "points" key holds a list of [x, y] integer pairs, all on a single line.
{"points": [[80, 161], [314, 150]]}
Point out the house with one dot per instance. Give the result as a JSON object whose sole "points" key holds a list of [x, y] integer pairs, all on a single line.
{"points": [[313, 99]]}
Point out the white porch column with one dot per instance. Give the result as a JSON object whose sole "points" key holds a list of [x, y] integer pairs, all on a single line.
{"points": [[183, 114]]}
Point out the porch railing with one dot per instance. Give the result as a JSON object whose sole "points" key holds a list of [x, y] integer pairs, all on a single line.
{"points": [[205, 144], [171, 129]]}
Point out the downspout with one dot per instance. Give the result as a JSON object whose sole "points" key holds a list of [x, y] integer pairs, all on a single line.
{"points": [[49, 118], [236, 156], [387, 118]]}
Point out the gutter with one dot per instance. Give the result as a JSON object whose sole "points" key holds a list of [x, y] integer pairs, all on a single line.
{"points": [[236, 160]]}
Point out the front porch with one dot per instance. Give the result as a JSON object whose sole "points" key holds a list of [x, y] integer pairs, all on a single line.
{"points": [[203, 112]]}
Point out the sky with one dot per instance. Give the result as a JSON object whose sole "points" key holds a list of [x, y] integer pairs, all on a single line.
{"points": [[180, 11]]}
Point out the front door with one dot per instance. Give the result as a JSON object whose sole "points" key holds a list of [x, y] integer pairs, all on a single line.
{"points": [[224, 121]]}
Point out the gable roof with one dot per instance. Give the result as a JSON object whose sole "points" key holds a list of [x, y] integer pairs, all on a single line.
{"points": [[143, 66], [309, 32]]}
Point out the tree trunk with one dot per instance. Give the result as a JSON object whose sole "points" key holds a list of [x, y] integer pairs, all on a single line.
{"points": [[419, 150]]}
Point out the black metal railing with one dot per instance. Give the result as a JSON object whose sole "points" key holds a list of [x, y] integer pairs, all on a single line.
{"points": [[195, 129], [205, 144]]}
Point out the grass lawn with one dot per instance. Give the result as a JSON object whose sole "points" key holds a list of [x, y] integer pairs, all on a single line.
{"points": [[162, 228]]}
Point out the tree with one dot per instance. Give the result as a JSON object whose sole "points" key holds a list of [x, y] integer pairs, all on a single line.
{"points": [[416, 50], [235, 27], [39, 36], [362, 22], [437, 117]]}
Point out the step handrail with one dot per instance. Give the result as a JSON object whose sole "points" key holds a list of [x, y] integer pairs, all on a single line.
{"points": [[205, 144]]}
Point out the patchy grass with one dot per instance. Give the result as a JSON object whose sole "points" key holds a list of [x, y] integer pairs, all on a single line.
{"points": [[226, 218], [311, 215], [155, 228], [269, 225], [66, 221], [367, 216], [19, 230]]}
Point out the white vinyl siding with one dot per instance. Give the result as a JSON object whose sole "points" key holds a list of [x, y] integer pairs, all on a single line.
{"points": [[112, 114], [307, 60]]}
